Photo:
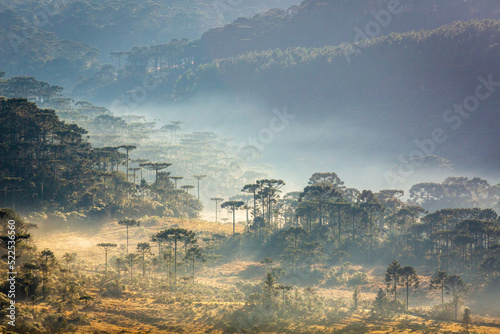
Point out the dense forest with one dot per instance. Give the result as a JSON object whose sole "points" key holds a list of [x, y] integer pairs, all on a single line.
{"points": [[59, 41], [419, 86], [50, 166], [81, 38], [308, 248], [237, 166]]}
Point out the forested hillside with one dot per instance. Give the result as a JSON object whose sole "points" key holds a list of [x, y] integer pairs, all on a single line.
{"points": [[52, 172], [80, 167], [316, 23], [59, 40], [411, 78], [63, 42], [220, 166], [28, 50]]}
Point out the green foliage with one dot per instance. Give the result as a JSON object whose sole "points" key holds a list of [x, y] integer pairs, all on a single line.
{"points": [[467, 319], [358, 279], [392, 277]]}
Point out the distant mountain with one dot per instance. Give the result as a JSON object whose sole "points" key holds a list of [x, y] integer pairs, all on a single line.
{"points": [[26, 49], [59, 41], [316, 23], [398, 88], [120, 25], [313, 23]]}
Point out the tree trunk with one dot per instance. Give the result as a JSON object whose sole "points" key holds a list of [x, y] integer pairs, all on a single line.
{"points": [[234, 220]]}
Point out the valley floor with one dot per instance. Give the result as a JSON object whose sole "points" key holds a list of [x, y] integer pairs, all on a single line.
{"points": [[140, 310]]}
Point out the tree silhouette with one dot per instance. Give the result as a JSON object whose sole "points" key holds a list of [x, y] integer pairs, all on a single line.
{"points": [[438, 282], [187, 188], [392, 277], [284, 288], [128, 223], [269, 189], [194, 253], [217, 200], [140, 161], [268, 290], [134, 169], [120, 264], [466, 319], [293, 235], [106, 247], [175, 235], [198, 178], [159, 239], [128, 148], [233, 206], [327, 178], [458, 290], [409, 278], [156, 166], [131, 260], [380, 302], [368, 202], [355, 299], [318, 194], [46, 262], [143, 249], [176, 179], [340, 206], [252, 189]]}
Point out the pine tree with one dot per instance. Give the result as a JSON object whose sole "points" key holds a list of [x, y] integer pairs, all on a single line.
{"points": [[466, 319], [380, 303], [392, 277], [355, 299], [409, 278]]}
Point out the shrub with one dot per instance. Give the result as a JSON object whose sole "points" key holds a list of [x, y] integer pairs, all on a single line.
{"points": [[444, 311], [358, 278]]}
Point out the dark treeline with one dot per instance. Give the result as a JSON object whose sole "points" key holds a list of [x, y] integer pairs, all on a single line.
{"points": [[106, 131], [347, 71], [309, 227], [168, 32], [58, 41], [316, 23], [50, 166], [301, 235]]}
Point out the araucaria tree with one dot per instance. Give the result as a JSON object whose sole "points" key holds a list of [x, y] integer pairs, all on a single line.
{"points": [[107, 247], [217, 200], [198, 178], [187, 188], [269, 189], [131, 260], [143, 248], [466, 319], [318, 194], [268, 289], [156, 167], [409, 278], [438, 282], [252, 189], [194, 253], [128, 148], [233, 206], [458, 290], [175, 235], [128, 223], [392, 277]]}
